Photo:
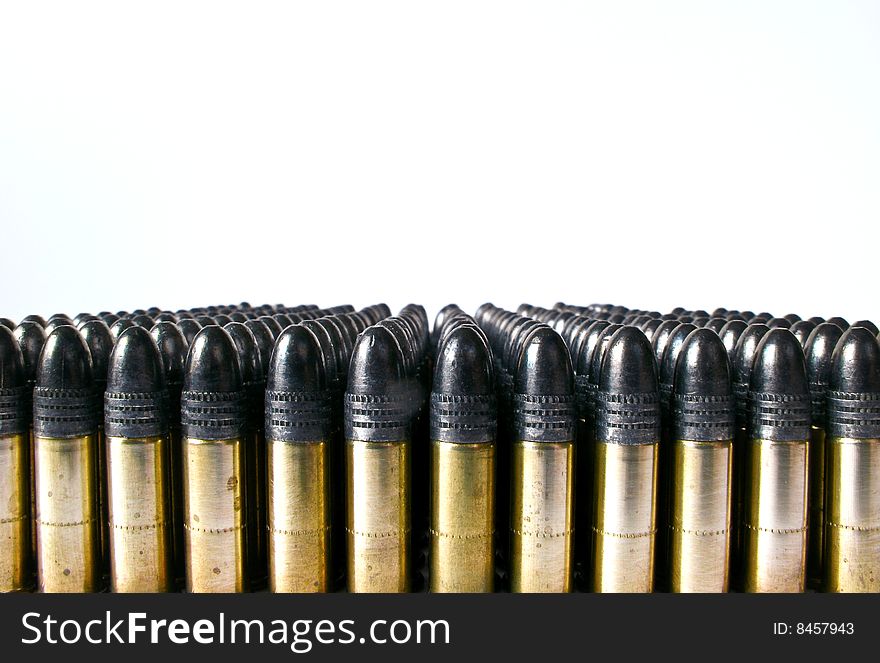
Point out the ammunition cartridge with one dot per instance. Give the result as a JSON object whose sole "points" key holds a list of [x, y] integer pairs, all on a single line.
{"points": [[625, 485], [776, 467], [298, 422], [139, 479], [65, 432], [852, 526]]}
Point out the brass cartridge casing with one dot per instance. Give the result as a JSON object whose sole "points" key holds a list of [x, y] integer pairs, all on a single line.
{"points": [[99, 340], [463, 427], [624, 517], [542, 465], [16, 552], [15, 519], [777, 467], [138, 466], [462, 517], [702, 424], [627, 404], [172, 346], [214, 515], [140, 517], [775, 522], [214, 421], [378, 515], [700, 516], [298, 426], [299, 517], [818, 349], [541, 516], [379, 408], [852, 479], [68, 547], [65, 452], [853, 515]]}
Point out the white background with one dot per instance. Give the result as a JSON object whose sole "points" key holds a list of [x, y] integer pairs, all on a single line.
{"points": [[652, 154]]}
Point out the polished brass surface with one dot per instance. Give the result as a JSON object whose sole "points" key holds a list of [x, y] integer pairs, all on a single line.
{"points": [[299, 516], [68, 547], [775, 516], [816, 529], [541, 516], [462, 517], [699, 527], [378, 515], [624, 517], [852, 528], [214, 515], [15, 513], [138, 492]]}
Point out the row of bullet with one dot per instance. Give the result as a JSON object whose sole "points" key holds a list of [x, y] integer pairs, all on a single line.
{"points": [[310, 450]]}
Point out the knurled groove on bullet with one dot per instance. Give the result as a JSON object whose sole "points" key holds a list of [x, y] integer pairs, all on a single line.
{"points": [[213, 415], [817, 401], [702, 418], [135, 415], [853, 415], [779, 417], [298, 416], [544, 418], [463, 418], [627, 418], [582, 394], [64, 413], [14, 402], [378, 417], [741, 398]]}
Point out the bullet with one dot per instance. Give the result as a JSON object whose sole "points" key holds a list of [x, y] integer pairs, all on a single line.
{"points": [[650, 327], [775, 323], [840, 322], [852, 528], [31, 337], [818, 351], [298, 427], [716, 324], [741, 371], [463, 428], [867, 324], [65, 436], [378, 459], [701, 466], [665, 459], [776, 467], [16, 552], [189, 328], [35, 318], [730, 334], [542, 467], [802, 330], [173, 349], [254, 384], [138, 473], [100, 341], [626, 454], [272, 324], [6, 322], [120, 326], [213, 411]]}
